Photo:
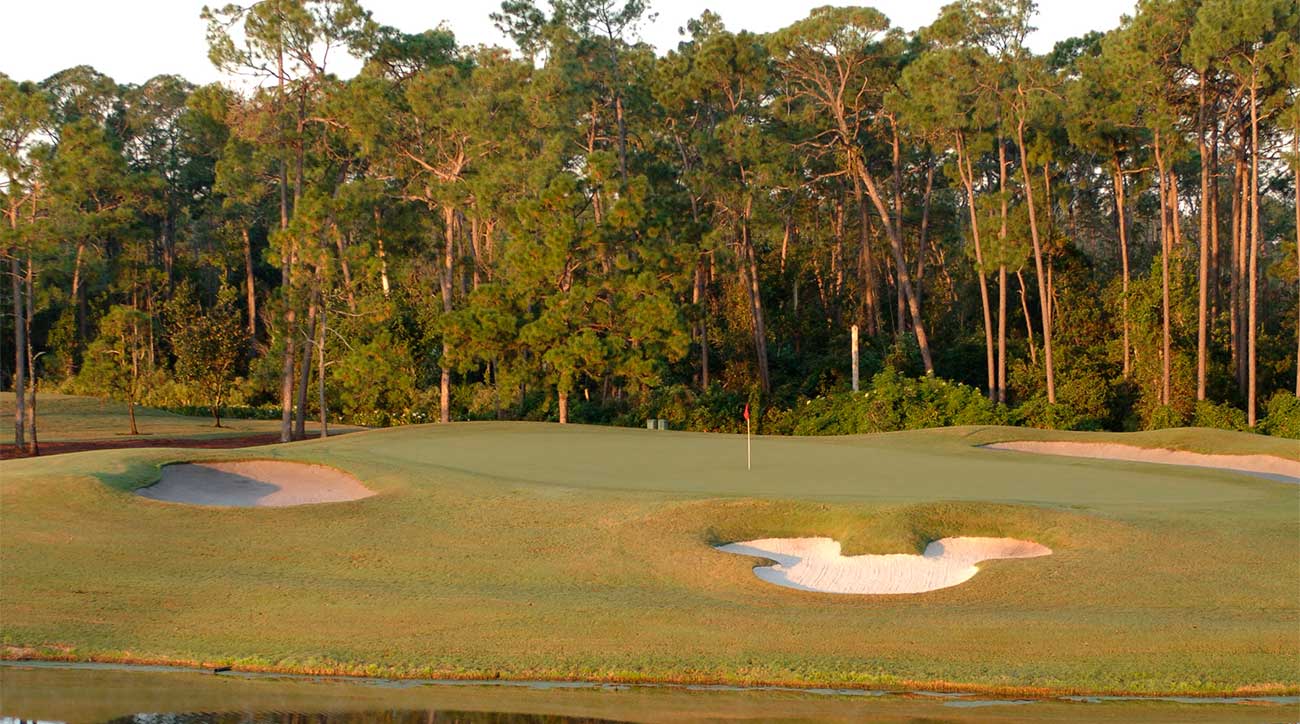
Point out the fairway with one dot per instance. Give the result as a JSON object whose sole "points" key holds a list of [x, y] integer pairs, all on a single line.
{"points": [[528, 550]]}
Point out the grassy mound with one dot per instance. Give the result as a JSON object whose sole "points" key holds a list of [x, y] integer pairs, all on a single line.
{"points": [[538, 551]]}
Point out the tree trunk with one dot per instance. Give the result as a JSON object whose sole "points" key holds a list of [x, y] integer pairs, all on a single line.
{"points": [[33, 447], [448, 257], [1203, 275], [904, 278], [749, 275], [869, 275], [304, 370], [1002, 333], [1029, 326], [923, 238], [1216, 290], [1122, 222], [1165, 347], [564, 407], [130, 413], [968, 180], [1243, 283], [1234, 274], [250, 286], [383, 260], [20, 355], [79, 310], [1002, 273], [701, 301], [286, 371], [320, 374], [1253, 321], [1044, 299], [286, 269], [900, 302], [345, 268]]}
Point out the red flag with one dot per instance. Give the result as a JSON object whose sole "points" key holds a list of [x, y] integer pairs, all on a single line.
{"points": [[746, 412]]}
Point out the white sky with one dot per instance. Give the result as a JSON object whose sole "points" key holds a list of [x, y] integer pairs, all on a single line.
{"points": [[134, 40]]}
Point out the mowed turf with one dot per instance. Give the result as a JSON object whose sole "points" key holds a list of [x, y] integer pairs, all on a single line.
{"points": [[539, 551], [71, 417]]}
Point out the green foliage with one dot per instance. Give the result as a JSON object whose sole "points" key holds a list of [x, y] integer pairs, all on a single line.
{"points": [[116, 363], [1282, 416], [1222, 416], [648, 236], [1038, 412], [1162, 417], [208, 342], [375, 385], [891, 402]]}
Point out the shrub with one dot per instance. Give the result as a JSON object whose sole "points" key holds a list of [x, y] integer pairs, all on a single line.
{"points": [[1038, 412], [892, 402], [1164, 416], [1282, 418], [1219, 416]]}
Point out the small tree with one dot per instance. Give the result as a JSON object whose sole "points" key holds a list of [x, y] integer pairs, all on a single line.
{"points": [[115, 361], [209, 343]]}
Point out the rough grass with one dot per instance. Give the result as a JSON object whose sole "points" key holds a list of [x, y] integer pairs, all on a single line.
{"points": [[70, 417], [537, 551]]}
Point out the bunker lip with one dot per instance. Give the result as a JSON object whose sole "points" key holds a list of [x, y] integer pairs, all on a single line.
{"points": [[1267, 466], [254, 484], [816, 564]]}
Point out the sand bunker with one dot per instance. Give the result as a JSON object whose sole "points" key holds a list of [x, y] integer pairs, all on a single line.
{"points": [[1269, 466], [254, 484], [815, 564]]}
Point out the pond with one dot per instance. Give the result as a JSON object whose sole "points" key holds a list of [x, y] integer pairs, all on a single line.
{"points": [[164, 695]]}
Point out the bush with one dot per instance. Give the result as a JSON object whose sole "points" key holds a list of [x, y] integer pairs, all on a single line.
{"points": [[1038, 412], [1282, 418], [1164, 416], [892, 402], [1219, 416]]}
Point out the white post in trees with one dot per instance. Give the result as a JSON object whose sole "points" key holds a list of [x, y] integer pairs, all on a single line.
{"points": [[855, 358]]}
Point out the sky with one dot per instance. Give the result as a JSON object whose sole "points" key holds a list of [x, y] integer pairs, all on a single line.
{"points": [[134, 40]]}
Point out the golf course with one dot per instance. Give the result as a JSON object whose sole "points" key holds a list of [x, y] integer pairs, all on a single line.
{"points": [[535, 551]]}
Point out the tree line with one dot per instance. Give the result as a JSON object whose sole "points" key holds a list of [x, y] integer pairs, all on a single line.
{"points": [[1103, 236]]}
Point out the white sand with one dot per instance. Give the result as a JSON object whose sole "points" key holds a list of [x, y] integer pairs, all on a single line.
{"points": [[815, 564], [254, 484], [1269, 466]]}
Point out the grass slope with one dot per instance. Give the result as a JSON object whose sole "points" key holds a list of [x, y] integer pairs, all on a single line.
{"points": [[539, 551]]}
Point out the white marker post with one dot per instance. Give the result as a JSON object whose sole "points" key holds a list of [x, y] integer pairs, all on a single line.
{"points": [[748, 458], [855, 358]]}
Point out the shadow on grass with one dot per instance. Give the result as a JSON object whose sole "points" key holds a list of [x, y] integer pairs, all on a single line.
{"points": [[133, 473]]}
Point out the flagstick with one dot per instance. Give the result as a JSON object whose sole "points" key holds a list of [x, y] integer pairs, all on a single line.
{"points": [[748, 459]]}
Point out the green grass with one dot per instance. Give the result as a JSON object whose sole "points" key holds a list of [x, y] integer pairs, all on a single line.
{"points": [[539, 551], [70, 417]]}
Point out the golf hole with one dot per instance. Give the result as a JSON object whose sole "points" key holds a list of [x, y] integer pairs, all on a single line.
{"points": [[254, 484], [816, 564]]}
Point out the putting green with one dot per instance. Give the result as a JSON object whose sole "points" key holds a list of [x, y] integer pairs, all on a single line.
{"points": [[539, 551]]}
